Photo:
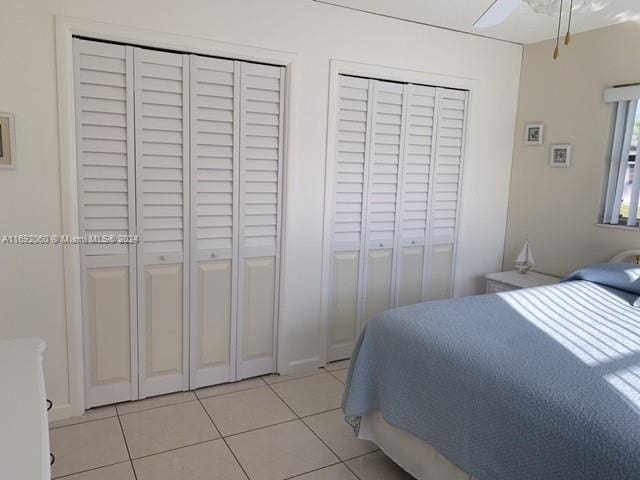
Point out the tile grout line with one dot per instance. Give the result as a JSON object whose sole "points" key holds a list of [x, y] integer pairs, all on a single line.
{"points": [[82, 423], [322, 371], [126, 444], [260, 428], [312, 471], [197, 397], [233, 454], [344, 462], [306, 426], [176, 448], [66, 475], [334, 376]]}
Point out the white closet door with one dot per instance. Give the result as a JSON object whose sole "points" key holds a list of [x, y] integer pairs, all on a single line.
{"points": [[383, 201], [418, 143], [214, 192], [162, 166], [106, 190], [446, 188], [261, 127], [350, 185]]}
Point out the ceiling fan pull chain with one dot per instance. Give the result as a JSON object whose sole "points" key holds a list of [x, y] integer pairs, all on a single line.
{"points": [[556, 52], [567, 37]]}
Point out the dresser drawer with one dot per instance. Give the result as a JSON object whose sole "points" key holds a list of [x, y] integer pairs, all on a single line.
{"points": [[495, 287]]}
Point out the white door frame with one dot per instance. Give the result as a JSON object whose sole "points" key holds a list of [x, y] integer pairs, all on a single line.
{"points": [[66, 28], [377, 72]]}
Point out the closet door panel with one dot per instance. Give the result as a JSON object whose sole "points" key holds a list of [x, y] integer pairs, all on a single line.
{"points": [[259, 304], [446, 189], [214, 314], [349, 213], [383, 197], [163, 320], [215, 115], [440, 272], [344, 308], [261, 135], [162, 166], [379, 279], [103, 81], [409, 284], [109, 328]]}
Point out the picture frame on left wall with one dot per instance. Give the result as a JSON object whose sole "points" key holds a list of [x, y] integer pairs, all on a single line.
{"points": [[534, 134], [7, 140], [560, 155]]}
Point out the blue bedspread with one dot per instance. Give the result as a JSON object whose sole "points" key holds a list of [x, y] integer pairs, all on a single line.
{"points": [[536, 384]]}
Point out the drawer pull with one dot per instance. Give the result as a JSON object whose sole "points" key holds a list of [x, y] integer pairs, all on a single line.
{"points": [[213, 255], [381, 245], [52, 459], [163, 257], [49, 404]]}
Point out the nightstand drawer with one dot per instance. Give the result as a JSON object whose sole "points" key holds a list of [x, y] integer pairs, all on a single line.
{"points": [[495, 287], [507, 281]]}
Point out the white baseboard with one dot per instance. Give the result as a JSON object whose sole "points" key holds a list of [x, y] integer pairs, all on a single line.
{"points": [[300, 366], [61, 412]]}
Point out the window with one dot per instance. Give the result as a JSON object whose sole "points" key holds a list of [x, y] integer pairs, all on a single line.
{"points": [[623, 183]]}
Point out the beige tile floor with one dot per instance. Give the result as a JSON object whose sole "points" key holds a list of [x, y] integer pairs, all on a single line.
{"points": [[269, 428]]}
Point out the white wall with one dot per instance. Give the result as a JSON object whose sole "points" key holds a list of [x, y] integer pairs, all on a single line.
{"points": [[557, 209], [31, 284]]}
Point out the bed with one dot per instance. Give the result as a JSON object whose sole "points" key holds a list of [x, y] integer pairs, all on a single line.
{"points": [[541, 383]]}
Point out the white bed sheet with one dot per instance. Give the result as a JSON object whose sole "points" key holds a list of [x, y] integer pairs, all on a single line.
{"points": [[414, 455]]}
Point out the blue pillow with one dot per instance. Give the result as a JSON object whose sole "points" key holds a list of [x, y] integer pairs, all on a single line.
{"points": [[623, 276]]}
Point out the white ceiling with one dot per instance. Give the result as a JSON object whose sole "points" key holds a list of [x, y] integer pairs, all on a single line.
{"points": [[524, 26]]}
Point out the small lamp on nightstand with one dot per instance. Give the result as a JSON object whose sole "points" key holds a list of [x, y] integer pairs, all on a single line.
{"points": [[525, 261]]}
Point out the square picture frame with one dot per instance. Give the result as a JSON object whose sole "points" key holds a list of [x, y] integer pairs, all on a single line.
{"points": [[534, 133], [7, 140], [560, 155]]}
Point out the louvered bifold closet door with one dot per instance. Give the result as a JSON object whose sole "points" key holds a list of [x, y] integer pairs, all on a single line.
{"points": [[214, 191], [348, 204], [103, 75], [418, 144], [261, 145], [446, 188], [162, 178], [382, 198]]}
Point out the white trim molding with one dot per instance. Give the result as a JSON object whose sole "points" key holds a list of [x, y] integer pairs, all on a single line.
{"points": [[338, 67], [621, 94], [65, 29]]}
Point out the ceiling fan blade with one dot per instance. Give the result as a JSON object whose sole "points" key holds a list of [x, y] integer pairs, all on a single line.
{"points": [[497, 13]]}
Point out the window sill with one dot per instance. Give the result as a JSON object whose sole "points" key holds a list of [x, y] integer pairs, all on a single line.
{"points": [[619, 227]]}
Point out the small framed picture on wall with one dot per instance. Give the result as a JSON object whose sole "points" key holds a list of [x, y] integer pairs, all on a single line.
{"points": [[7, 141], [560, 155], [534, 133]]}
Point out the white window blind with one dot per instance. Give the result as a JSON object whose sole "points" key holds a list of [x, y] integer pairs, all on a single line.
{"points": [[623, 181]]}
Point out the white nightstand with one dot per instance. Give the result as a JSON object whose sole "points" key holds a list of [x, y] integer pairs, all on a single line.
{"points": [[505, 281]]}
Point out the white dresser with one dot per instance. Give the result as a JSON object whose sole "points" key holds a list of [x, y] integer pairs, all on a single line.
{"points": [[24, 428], [513, 280]]}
